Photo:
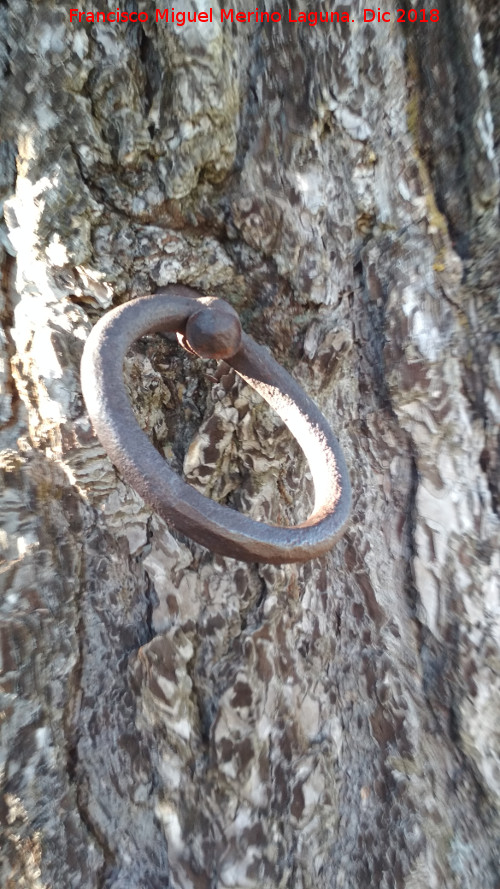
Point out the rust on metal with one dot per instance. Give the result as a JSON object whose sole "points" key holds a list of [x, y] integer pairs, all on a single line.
{"points": [[210, 328]]}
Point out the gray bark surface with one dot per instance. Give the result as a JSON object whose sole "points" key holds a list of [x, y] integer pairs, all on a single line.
{"points": [[170, 718]]}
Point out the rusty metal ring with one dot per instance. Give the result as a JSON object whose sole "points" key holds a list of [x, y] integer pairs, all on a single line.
{"points": [[210, 327]]}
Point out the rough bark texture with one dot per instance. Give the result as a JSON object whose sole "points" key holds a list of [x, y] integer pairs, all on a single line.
{"points": [[175, 719]]}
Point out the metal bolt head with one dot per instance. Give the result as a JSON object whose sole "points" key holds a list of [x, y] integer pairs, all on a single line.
{"points": [[214, 333]]}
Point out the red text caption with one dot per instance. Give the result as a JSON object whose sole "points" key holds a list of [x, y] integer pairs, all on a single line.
{"points": [[256, 16]]}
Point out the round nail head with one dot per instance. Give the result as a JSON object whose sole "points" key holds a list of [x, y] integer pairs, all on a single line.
{"points": [[214, 333]]}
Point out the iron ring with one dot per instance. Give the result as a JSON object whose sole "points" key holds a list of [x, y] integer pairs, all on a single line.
{"points": [[210, 327]]}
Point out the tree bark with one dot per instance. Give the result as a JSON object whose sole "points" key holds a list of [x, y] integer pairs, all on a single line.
{"points": [[172, 718]]}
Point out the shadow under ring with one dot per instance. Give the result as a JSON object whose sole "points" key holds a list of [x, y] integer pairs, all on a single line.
{"points": [[215, 526]]}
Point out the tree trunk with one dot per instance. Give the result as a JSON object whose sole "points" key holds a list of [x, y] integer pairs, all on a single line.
{"points": [[173, 718]]}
